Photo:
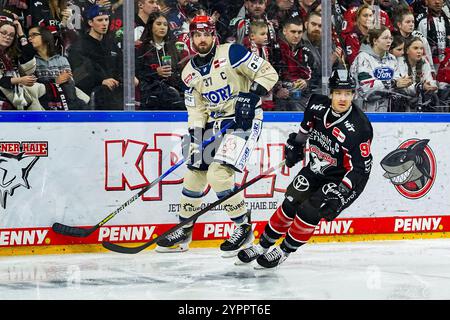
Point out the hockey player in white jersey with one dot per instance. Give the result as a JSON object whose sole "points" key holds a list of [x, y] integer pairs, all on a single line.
{"points": [[224, 83]]}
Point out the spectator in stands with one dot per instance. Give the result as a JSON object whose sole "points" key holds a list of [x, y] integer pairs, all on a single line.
{"points": [[240, 26], [15, 8], [96, 62], [18, 87], [56, 16], [388, 6], [294, 69], [380, 17], [404, 26], [423, 87], [352, 39], [376, 72], [54, 71], [280, 10], [304, 8], [143, 9], [53, 14], [435, 27], [157, 67], [178, 16], [398, 46], [257, 43], [312, 39]]}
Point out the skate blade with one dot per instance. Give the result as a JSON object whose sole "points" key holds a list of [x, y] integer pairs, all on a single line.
{"points": [[264, 269], [173, 249], [238, 262], [229, 254]]}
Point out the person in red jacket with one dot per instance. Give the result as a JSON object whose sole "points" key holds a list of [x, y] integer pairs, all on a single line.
{"points": [[380, 16], [352, 39], [294, 68]]}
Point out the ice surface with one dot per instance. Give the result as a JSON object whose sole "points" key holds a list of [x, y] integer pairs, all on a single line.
{"points": [[410, 269]]}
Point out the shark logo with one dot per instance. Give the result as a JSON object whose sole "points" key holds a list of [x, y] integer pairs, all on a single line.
{"points": [[411, 168], [14, 170]]}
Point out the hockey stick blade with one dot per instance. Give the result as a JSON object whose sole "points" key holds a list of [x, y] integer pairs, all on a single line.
{"points": [[83, 232], [72, 231], [132, 250]]}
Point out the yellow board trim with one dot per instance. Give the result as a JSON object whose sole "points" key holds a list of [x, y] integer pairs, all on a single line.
{"points": [[94, 248]]}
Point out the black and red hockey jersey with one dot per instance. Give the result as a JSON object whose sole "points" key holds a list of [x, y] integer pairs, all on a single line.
{"points": [[339, 146]]}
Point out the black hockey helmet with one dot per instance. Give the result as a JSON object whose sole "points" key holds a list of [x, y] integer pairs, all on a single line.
{"points": [[341, 79]]}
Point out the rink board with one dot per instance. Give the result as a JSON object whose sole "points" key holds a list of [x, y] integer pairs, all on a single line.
{"points": [[76, 168]]}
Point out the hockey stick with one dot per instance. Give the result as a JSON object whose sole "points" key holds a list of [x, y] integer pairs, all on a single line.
{"points": [[82, 232], [133, 250]]}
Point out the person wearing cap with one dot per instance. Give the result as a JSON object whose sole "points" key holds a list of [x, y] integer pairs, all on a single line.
{"points": [[223, 86], [339, 137], [96, 62]]}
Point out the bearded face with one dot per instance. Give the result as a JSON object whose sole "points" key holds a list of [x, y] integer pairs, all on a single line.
{"points": [[314, 29]]}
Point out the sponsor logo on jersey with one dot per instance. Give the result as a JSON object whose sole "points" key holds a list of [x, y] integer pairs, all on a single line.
{"points": [[349, 126], [220, 63], [189, 78], [317, 107], [383, 73], [219, 95], [411, 168], [16, 161], [338, 134], [300, 183]]}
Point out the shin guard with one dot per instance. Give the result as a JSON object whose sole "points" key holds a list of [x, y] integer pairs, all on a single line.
{"points": [[299, 233]]}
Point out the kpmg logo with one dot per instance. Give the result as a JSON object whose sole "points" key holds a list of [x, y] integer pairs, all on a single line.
{"points": [[384, 73]]}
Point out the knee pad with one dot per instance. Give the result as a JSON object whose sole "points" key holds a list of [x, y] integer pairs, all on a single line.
{"points": [[220, 177], [309, 213], [194, 181]]}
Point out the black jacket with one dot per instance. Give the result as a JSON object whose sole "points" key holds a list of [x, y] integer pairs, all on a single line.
{"points": [[93, 61]]}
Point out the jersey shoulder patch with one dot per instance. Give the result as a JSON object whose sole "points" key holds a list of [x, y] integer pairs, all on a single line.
{"points": [[238, 54]]}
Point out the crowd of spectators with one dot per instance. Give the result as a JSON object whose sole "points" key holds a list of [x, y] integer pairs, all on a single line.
{"points": [[67, 55]]}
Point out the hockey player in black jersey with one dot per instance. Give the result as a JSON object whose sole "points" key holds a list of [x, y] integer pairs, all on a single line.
{"points": [[339, 136]]}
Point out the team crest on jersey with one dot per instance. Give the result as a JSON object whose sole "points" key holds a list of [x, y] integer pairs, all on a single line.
{"points": [[383, 73], [411, 168], [16, 161], [319, 160]]}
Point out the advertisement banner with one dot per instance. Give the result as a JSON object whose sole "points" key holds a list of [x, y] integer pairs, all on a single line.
{"points": [[76, 173]]}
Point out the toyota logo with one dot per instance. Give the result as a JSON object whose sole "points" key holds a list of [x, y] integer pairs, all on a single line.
{"points": [[301, 183]]}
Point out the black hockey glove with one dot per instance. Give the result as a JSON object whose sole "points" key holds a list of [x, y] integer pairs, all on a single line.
{"points": [[245, 110], [293, 150], [191, 147], [332, 205]]}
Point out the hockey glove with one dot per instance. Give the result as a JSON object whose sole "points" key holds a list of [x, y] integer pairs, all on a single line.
{"points": [[293, 150], [245, 110], [191, 145], [332, 205]]}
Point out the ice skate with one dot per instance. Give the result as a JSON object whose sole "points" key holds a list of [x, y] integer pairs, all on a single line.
{"points": [[177, 241], [250, 254], [271, 259], [241, 238]]}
